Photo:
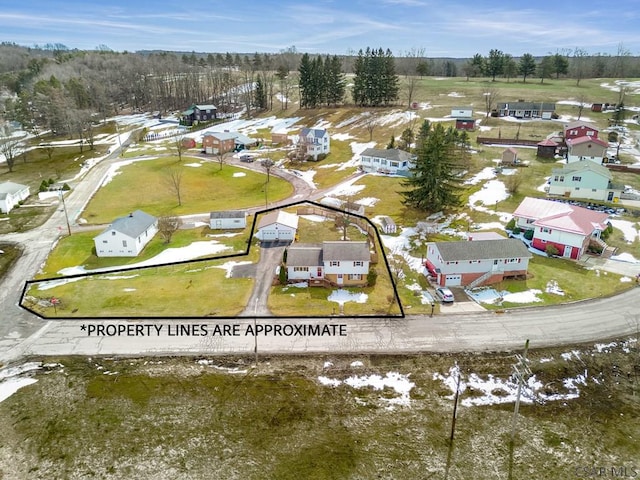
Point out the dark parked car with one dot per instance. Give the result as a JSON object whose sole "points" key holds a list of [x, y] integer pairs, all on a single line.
{"points": [[246, 158]]}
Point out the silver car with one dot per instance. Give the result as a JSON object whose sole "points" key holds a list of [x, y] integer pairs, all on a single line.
{"points": [[445, 294]]}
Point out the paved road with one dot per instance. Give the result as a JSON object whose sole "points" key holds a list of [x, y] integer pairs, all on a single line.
{"points": [[23, 334]]}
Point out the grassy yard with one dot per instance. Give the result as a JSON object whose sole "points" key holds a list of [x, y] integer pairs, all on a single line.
{"points": [[182, 418], [79, 249], [577, 282], [144, 185], [197, 289], [10, 253]]}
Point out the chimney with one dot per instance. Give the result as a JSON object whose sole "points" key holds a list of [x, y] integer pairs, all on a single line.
{"points": [[131, 215]]}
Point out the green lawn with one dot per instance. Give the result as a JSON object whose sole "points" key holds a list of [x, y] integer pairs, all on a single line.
{"points": [[197, 289], [144, 185], [79, 250]]}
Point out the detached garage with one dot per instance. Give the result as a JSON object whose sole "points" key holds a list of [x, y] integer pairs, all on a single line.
{"points": [[277, 226]]}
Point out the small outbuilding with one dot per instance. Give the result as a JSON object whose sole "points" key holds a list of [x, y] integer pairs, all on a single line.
{"points": [[547, 148], [465, 124], [227, 220], [126, 236]]}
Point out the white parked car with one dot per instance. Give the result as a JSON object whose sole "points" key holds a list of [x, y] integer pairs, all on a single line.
{"points": [[445, 295]]}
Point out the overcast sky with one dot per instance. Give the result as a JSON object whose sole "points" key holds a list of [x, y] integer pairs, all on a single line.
{"points": [[454, 28]]}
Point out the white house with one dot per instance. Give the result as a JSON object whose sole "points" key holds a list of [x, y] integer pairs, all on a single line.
{"points": [[568, 228], [11, 194], [277, 225], [337, 263], [478, 262], [586, 180], [226, 220], [317, 141], [126, 236], [586, 148], [391, 161]]}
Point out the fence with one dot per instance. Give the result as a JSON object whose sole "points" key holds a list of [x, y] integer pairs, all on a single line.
{"points": [[506, 141]]}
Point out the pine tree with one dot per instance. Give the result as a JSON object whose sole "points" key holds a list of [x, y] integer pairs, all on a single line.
{"points": [[359, 82], [434, 184], [527, 66], [334, 81], [260, 94], [305, 81]]}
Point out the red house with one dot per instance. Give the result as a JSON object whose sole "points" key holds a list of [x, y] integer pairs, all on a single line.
{"points": [[579, 129], [566, 227], [465, 124]]}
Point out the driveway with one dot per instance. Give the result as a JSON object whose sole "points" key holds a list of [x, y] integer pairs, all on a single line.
{"points": [[270, 257]]}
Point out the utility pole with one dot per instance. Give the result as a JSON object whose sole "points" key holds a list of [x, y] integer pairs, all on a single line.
{"points": [[520, 371], [64, 208], [453, 424]]}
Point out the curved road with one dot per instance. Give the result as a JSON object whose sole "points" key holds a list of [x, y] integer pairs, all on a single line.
{"points": [[24, 334]]}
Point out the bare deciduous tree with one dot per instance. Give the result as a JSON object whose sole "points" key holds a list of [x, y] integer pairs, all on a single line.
{"points": [[370, 124], [178, 144], [9, 147], [513, 182], [168, 225], [267, 164], [490, 96], [173, 181]]}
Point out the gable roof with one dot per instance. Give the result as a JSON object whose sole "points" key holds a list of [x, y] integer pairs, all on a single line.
{"points": [[585, 139], [547, 142], [133, 224], [347, 251], [394, 154], [227, 214], [579, 123], [221, 135], [482, 250], [281, 217], [304, 255], [316, 132], [511, 150], [205, 107], [577, 167], [7, 188], [561, 216]]}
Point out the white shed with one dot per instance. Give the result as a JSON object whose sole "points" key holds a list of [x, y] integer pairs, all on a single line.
{"points": [[461, 112], [229, 219], [277, 225]]}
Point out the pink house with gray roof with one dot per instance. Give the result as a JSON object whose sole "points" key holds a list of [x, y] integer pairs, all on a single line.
{"points": [[567, 227]]}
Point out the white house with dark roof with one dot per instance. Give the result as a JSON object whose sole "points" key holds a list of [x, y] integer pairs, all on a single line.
{"points": [[335, 262], [585, 180], [11, 194], [390, 161], [317, 141], [277, 226], [228, 220], [567, 227], [478, 262], [126, 236]]}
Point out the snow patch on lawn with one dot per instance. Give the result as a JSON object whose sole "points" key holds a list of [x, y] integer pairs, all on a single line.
{"points": [[625, 279], [395, 119], [486, 173], [357, 149], [341, 136], [625, 257], [314, 218], [196, 165], [368, 201], [342, 296], [629, 229], [228, 266], [346, 189], [392, 380], [401, 245], [492, 192], [552, 287], [239, 174]]}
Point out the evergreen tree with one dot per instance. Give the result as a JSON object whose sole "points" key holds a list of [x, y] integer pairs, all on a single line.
{"points": [[545, 68], [560, 65], [434, 184], [260, 94], [495, 63], [406, 139], [359, 82], [527, 66], [305, 82], [335, 81], [375, 82], [392, 142]]}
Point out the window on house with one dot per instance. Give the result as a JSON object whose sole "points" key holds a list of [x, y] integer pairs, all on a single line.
{"points": [[394, 164], [576, 179], [300, 269], [358, 264], [474, 261], [562, 178], [113, 232], [545, 230], [555, 179], [531, 220], [355, 276], [104, 241], [124, 243], [594, 189], [334, 263], [383, 162]]}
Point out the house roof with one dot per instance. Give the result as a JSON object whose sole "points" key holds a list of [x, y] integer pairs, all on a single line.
{"points": [[205, 107], [133, 224], [221, 135], [512, 150], [580, 140], [583, 166], [7, 188], [394, 154], [243, 139], [476, 236], [482, 250], [227, 214], [527, 106], [547, 142], [281, 217], [316, 132], [304, 255], [561, 216], [579, 123], [347, 251]]}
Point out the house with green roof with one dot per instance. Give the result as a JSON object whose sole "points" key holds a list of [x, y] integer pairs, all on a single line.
{"points": [[198, 113], [584, 180]]}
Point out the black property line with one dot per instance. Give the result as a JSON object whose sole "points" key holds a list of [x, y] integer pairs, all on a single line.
{"points": [[28, 283]]}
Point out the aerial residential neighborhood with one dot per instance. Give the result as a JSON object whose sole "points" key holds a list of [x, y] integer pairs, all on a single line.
{"points": [[289, 241]]}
